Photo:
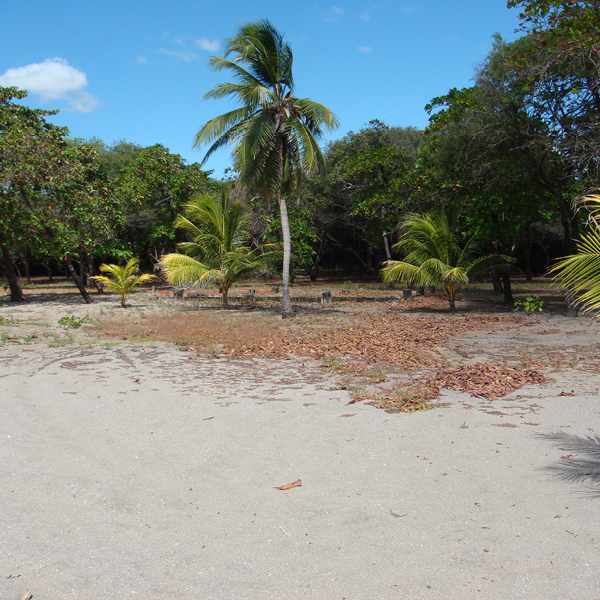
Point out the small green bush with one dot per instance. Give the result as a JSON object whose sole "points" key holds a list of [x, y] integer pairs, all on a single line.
{"points": [[73, 322], [530, 304]]}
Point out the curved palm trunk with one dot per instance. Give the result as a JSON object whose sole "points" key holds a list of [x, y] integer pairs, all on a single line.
{"points": [[287, 253]]}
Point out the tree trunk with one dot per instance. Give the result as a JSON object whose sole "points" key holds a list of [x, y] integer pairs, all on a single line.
{"points": [[77, 280], [27, 269], [387, 245], [528, 253], [83, 269], [497, 284], [313, 270], [569, 223], [92, 272], [451, 295], [508, 297], [16, 293], [225, 299], [287, 254]]}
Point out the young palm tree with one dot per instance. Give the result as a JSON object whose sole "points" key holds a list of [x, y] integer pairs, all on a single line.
{"points": [[580, 273], [274, 135], [436, 255], [219, 252], [125, 279]]}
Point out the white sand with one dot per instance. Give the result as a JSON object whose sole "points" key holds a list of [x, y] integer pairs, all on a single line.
{"points": [[136, 471]]}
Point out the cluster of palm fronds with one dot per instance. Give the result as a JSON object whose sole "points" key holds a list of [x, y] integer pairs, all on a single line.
{"points": [[436, 253], [579, 273], [220, 250]]}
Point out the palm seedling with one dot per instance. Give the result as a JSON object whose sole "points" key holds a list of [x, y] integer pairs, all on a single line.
{"points": [[124, 279]]}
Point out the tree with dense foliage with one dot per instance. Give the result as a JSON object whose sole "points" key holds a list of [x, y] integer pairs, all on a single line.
{"points": [[579, 273], [29, 159], [558, 69], [436, 254], [153, 188], [81, 220], [274, 134], [124, 279], [485, 148], [54, 198], [219, 250], [350, 212]]}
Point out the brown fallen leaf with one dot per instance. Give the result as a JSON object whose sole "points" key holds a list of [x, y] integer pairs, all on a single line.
{"points": [[289, 486], [348, 415], [138, 381], [566, 394], [566, 456], [208, 418]]}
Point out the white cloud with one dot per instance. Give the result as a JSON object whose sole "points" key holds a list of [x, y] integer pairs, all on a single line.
{"points": [[141, 59], [184, 56], [181, 40], [54, 79], [334, 13], [366, 49], [365, 16], [208, 45]]}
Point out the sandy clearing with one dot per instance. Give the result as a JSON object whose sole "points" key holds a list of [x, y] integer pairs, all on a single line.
{"points": [[136, 470]]}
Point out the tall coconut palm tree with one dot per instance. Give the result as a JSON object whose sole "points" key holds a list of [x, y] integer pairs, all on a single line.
{"points": [[274, 135], [580, 273], [219, 251], [437, 255]]}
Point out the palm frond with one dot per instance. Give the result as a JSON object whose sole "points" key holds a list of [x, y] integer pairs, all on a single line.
{"points": [[397, 270], [580, 273], [221, 127]]}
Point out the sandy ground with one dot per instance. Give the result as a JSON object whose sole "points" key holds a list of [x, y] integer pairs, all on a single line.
{"points": [[138, 471]]}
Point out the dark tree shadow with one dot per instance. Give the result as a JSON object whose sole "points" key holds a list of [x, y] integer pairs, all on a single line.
{"points": [[582, 468]]}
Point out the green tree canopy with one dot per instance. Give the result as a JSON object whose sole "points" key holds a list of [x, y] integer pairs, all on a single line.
{"points": [[54, 197], [152, 190]]}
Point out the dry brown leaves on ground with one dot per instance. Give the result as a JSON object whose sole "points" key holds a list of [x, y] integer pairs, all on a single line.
{"points": [[484, 380], [406, 341]]}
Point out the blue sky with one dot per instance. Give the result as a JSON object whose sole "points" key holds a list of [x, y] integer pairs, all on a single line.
{"points": [[137, 70]]}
